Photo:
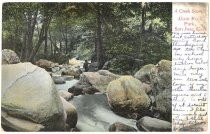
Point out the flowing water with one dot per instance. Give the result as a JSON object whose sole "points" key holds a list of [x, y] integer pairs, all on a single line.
{"points": [[66, 85], [94, 113]]}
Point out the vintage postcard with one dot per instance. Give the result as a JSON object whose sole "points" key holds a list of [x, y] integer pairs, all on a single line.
{"points": [[104, 66]]}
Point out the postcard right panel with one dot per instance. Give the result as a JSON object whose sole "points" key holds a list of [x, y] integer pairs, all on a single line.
{"points": [[190, 66]]}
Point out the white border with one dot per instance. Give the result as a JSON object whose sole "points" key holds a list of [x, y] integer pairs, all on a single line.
{"points": [[4, 1]]}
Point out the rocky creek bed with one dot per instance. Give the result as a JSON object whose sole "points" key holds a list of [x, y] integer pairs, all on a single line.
{"points": [[52, 97]]}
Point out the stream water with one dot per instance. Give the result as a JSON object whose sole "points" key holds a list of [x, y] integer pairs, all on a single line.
{"points": [[94, 113], [66, 85]]}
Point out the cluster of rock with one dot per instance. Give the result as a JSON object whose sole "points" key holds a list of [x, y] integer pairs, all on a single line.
{"points": [[70, 70], [29, 99], [63, 75], [161, 83], [92, 82], [32, 102], [9, 57], [146, 97]]}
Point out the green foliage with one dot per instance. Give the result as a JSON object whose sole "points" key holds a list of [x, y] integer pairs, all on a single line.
{"points": [[73, 30], [83, 52], [117, 49]]}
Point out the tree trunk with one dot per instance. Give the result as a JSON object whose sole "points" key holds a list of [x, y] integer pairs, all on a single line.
{"points": [[22, 58], [45, 44], [66, 44], [99, 46], [28, 35], [32, 18], [15, 39], [51, 49], [66, 37], [143, 18], [51, 45], [42, 34], [60, 41]]}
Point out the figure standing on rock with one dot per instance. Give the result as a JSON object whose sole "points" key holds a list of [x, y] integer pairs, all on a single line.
{"points": [[85, 66]]}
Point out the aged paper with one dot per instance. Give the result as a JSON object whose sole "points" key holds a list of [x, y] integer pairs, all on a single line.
{"points": [[190, 66]]}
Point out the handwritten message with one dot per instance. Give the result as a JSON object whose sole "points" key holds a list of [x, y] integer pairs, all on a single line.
{"points": [[190, 67]]}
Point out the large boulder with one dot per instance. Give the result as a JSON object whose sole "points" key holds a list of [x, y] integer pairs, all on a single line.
{"points": [[28, 93], [150, 124], [72, 71], [161, 82], [144, 76], [127, 95], [161, 76], [94, 113], [118, 126], [92, 82], [164, 105], [11, 123], [144, 73], [79, 89], [58, 79], [65, 94], [99, 80], [47, 65], [71, 113], [9, 57]]}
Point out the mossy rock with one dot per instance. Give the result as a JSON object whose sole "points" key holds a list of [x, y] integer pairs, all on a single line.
{"points": [[29, 93], [127, 94]]}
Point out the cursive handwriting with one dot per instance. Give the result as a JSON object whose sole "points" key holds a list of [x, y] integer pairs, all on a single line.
{"points": [[190, 70]]}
